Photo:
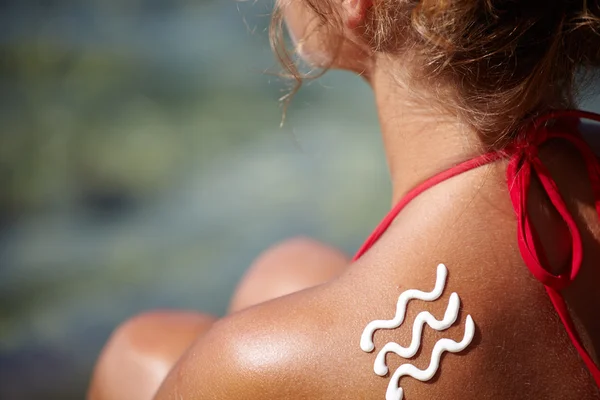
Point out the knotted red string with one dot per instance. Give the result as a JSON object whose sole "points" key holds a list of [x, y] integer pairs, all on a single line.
{"points": [[523, 163]]}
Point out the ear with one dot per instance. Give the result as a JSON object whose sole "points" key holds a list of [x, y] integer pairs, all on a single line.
{"points": [[355, 12]]}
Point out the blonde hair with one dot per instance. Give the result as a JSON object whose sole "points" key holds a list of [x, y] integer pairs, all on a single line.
{"points": [[505, 60]]}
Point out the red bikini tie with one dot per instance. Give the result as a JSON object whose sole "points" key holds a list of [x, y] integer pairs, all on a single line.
{"points": [[523, 162]]}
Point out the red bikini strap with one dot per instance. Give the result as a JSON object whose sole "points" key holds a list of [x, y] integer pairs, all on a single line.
{"points": [[523, 163], [443, 176]]}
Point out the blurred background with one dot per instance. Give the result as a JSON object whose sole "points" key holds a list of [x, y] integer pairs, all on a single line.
{"points": [[142, 165]]}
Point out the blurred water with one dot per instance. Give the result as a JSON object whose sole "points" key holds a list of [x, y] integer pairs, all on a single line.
{"points": [[144, 167]]}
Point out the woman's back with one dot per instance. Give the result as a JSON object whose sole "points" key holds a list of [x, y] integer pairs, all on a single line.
{"points": [[307, 345]]}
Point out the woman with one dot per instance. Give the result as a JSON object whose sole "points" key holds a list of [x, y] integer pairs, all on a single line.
{"points": [[486, 272]]}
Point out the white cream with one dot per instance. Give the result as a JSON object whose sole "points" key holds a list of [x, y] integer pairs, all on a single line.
{"points": [[366, 340], [423, 318], [395, 392]]}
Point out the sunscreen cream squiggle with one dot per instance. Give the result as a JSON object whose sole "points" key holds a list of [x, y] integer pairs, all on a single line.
{"points": [[423, 318], [366, 340], [394, 391]]}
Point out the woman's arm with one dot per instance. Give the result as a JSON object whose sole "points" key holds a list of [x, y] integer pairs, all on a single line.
{"points": [[142, 351]]}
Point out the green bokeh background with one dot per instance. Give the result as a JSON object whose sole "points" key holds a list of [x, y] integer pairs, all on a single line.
{"points": [[142, 166]]}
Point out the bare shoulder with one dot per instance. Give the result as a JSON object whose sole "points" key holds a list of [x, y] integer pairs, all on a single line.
{"points": [[308, 345], [299, 346]]}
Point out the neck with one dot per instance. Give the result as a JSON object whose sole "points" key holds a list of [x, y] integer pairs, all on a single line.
{"points": [[420, 139]]}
